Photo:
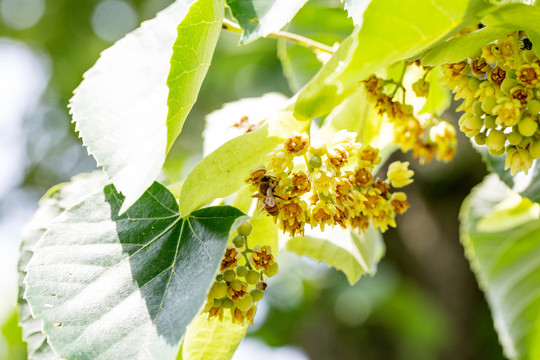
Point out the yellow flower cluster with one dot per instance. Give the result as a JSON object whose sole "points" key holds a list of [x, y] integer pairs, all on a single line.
{"points": [[333, 186], [240, 283], [425, 135], [500, 90]]}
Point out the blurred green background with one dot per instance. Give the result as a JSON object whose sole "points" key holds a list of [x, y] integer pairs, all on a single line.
{"points": [[423, 303]]}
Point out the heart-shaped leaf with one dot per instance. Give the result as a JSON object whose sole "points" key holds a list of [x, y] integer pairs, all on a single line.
{"points": [[110, 286]]}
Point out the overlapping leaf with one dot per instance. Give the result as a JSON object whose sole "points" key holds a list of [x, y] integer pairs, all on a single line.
{"points": [[53, 204], [192, 53], [258, 18], [121, 107], [223, 172], [412, 27], [501, 235], [110, 286]]}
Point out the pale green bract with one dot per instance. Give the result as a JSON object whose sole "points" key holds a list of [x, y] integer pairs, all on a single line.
{"points": [[210, 338], [223, 172], [501, 235], [353, 254], [258, 18], [110, 286], [121, 107]]}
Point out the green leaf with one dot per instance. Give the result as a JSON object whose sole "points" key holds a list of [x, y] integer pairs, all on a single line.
{"points": [[439, 97], [56, 200], [125, 287], [517, 17], [413, 27], [460, 48], [212, 339], [223, 172], [120, 109], [192, 53], [500, 232], [345, 250], [356, 9], [258, 18], [526, 185]]}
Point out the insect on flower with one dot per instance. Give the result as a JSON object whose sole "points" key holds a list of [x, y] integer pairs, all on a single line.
{"points": [[266, 197]]}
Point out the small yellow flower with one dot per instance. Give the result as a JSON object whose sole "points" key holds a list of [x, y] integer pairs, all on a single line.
{"points": [[399, 202], [528, 75], [337, 156], [279, 160], [261, 257], [518, 159], [523, 95], [231, 257], [323, 180], [399, 174], [507, 111], [369, 155], [300, 183], [297, 143], [322, 213], [497, 75], [480, 67]]}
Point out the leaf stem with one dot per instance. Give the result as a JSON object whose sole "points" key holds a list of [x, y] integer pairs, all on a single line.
{"points": [[315, 46]]}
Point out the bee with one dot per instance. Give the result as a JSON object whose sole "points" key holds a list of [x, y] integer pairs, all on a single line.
{"points": [[526, 44], [267, 199]]}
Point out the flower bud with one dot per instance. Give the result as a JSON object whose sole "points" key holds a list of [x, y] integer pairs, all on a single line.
{"points": [[227, 303], [257, 295], [533, 107], [252, 277], [477, 108], [495, 141], [229, 275], [218, 290], [480, 138], [514, 137], [239, 241], [245, 302], [236, 285], [315, 161], [534, 149], [241, 271], [488, 104], [245, 228], [527, 126], [272, 269], [507, 85], [470, 124], [490, 122]]}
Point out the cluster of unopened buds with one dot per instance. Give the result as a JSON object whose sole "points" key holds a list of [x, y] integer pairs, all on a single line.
{"points": [[322, 185], [500, 86], [240, 283], [426, 135]]}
